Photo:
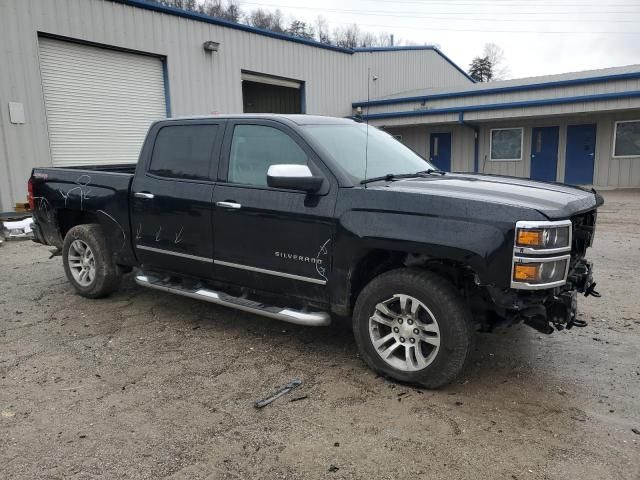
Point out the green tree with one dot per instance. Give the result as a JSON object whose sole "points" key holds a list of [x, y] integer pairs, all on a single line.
{"points": [[481, 69], [301, 29]]}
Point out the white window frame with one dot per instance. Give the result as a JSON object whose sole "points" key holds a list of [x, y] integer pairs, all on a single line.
{"points": [[491, 159], [615, 135]]}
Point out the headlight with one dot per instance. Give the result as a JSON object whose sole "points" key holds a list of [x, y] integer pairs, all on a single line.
{"points": [[541, 254], [549, 236], [547, 272]]}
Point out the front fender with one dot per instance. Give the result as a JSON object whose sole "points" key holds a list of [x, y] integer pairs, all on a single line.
{"points": [[485, 248]]}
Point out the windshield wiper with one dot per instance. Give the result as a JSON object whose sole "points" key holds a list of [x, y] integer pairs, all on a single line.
{"points": [[396, 176], [431, 171]]}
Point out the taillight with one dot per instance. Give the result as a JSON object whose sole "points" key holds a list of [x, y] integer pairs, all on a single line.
{"points": [[32, 205]]}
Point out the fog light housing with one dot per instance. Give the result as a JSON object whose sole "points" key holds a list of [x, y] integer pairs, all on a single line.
{"points": [[537, 273]]}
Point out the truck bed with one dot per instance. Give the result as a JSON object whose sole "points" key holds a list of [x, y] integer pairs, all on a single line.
{"points": [[97, 194]]}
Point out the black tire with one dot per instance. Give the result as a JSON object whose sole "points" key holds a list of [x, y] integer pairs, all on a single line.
{"points": [[448, 309], [107, 274]]}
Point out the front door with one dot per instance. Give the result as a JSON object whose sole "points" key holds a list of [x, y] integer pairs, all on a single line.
{"points": [[271, 239], [544, 153], [581, 152], [171, 198], [440, 149]]}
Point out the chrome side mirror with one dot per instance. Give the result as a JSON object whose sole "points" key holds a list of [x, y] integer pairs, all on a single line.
{"points": [[293, 177]]}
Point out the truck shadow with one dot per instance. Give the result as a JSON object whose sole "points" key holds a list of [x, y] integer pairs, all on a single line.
{"points": [[497, 357]]}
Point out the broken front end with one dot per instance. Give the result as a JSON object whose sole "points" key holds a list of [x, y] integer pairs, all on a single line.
{"points": [[549, 271]]}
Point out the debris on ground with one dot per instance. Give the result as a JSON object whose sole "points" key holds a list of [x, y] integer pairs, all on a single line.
{"points": [[17, 229], [295, 383], [333, 468], [297, 399], [636, 431]]}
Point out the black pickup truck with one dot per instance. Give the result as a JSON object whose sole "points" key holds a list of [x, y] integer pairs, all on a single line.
{"points": [[306, 218]]}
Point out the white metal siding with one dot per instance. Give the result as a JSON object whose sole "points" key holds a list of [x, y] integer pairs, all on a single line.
{"points": [[201, 82], [99, 102]]}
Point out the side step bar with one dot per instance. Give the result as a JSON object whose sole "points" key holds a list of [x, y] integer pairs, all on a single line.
{"points": [[312, 319]]}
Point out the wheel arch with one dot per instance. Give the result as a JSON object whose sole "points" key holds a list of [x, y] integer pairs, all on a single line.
{"points": [[377, 261]]}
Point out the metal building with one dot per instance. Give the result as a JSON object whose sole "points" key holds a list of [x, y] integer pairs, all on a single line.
{"points": [[81, 80], [580, 128]]}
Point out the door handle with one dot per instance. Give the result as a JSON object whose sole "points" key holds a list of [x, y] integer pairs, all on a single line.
{"points": [[232, 205], [145, 195]]}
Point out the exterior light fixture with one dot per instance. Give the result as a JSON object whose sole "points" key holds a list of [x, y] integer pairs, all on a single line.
{"points": [[211, 46]]}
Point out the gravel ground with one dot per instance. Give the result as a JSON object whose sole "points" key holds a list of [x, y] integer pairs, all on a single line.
{"points": [[148, 385]]}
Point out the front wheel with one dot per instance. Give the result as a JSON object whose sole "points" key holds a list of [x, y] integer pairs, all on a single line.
{"points": [[88, 262], [413, 326]]}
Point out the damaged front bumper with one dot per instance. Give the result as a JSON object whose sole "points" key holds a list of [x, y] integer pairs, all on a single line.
{"points": [[547, 310]]}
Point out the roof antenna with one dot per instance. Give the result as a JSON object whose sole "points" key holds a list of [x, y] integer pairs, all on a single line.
{"points": [[366, 145]]}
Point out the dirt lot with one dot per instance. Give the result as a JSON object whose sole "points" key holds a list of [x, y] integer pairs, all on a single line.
{"points": [[149, 385]]}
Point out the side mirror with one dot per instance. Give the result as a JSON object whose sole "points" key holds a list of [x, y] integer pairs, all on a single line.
{"points": [[293, 177]]}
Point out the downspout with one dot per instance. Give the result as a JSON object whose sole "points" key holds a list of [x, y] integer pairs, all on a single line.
{"points": [[476, 139]]}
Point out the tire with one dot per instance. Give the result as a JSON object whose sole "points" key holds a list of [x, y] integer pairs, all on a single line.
{"points": [[106, 274], [440, 329]]}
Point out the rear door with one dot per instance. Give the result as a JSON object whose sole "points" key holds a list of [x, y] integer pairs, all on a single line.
{"points": [[171, 198], [266, 238]]}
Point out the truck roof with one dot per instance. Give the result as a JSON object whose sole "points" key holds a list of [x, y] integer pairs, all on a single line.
{"points": [[298, 119]]}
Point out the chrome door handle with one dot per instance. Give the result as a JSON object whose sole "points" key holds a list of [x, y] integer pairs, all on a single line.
{"points": [[233, 205], [146, 195]]}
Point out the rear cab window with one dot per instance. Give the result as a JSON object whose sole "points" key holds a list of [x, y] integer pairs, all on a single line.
{"points": [[184, 151]]}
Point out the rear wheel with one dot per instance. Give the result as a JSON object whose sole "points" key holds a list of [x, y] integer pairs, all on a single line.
{"points": [[88, 262], [412, 325]]}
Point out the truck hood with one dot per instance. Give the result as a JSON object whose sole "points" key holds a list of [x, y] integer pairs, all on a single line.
{"points": [[553, 200]]}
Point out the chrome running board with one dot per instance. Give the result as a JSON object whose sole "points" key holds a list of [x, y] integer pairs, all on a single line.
{"points": [[312, 319]]}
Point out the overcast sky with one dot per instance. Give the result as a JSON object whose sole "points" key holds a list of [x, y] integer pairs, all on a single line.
{"points": [[538, 36]]}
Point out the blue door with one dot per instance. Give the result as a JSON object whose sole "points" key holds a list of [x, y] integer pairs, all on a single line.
{"points": [[441, 151], [581, 152], [544, 153]]}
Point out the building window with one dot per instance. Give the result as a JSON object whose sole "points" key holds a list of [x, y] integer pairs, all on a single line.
{"points": [[626, 142], [506, 144]]}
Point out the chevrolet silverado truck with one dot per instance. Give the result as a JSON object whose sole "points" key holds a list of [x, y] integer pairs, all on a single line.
{"points": [[306, 219]]}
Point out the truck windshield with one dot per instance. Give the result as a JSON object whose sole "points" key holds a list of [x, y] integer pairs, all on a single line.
{"points": [[347, 145]]}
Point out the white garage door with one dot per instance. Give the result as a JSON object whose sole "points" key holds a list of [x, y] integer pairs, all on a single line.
{"points": [[99, 102]]}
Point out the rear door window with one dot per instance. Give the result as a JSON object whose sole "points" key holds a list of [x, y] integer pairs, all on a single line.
{"points": [[254, 148], [184, 151]]}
